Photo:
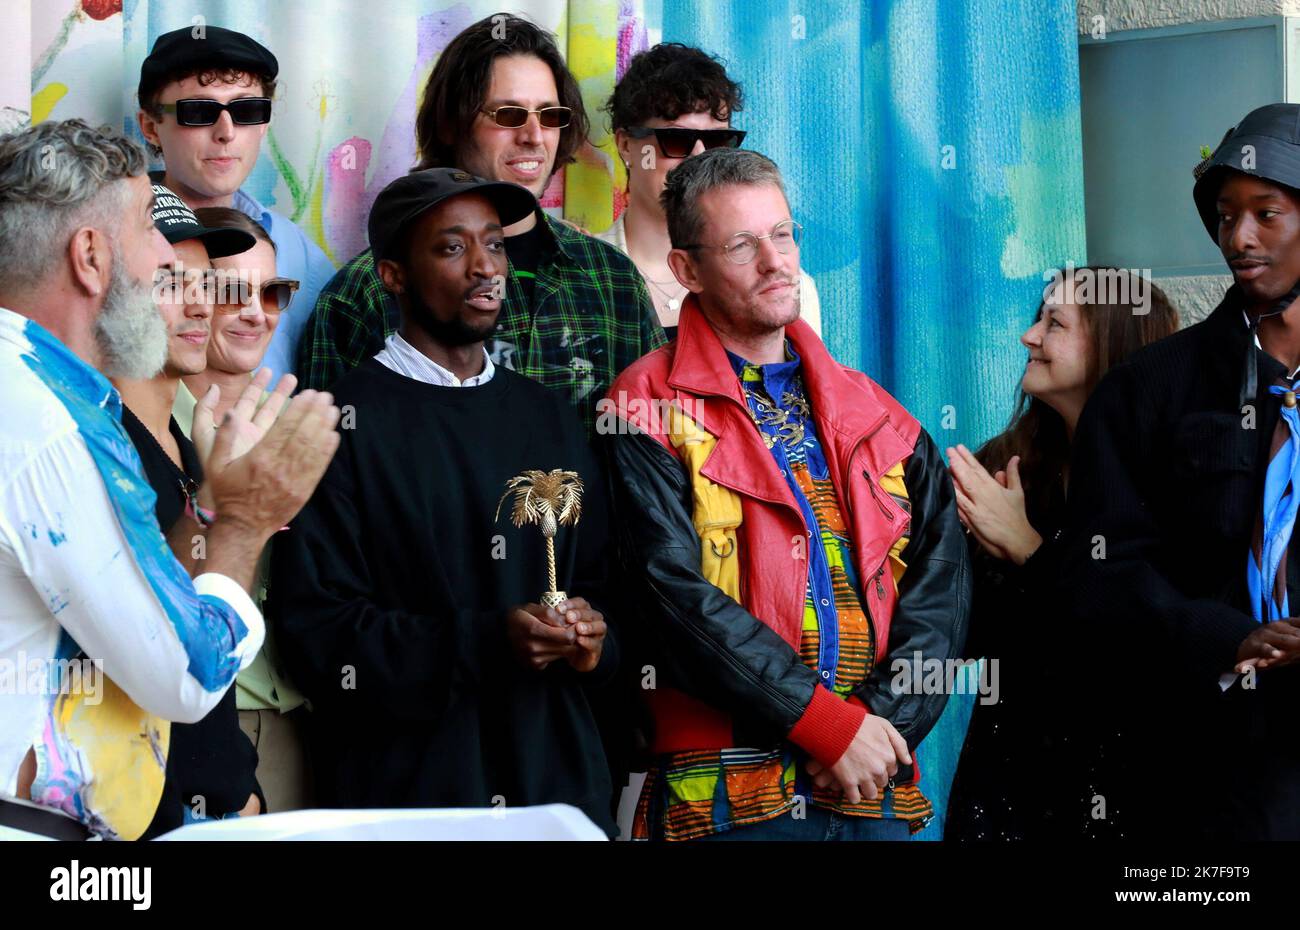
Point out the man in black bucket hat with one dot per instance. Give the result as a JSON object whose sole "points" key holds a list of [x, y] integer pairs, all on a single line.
{"points": [[1183, 493]]}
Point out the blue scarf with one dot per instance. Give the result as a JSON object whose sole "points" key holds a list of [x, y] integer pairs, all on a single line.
{"points": [[1281, 501]]}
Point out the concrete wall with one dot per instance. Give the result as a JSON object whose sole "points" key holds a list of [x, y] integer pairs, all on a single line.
{"points": [[1148, 14], [1195, 296]]}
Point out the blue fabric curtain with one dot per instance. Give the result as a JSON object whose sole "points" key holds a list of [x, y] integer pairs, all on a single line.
{"points": [[932, 152]]}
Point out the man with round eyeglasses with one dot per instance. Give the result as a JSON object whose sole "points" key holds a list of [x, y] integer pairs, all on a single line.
{"points": [[776, 646]]}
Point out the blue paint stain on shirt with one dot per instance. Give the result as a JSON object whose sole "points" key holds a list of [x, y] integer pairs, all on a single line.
{"points": [[207, 627], [57, 539]]}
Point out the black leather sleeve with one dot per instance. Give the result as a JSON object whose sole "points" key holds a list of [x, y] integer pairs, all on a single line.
{"points": [[700, 640], [933, 600]]}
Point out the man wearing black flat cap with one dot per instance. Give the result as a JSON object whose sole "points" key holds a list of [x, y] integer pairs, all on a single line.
{"points": [[406, 609], [206, 95], [210, 764], [1183, 491]]}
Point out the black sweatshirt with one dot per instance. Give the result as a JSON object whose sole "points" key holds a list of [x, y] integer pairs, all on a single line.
{"points": [[391, 588]]}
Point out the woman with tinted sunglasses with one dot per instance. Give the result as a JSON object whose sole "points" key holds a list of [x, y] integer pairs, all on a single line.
{"points": [[249, 298], [674, 101]]}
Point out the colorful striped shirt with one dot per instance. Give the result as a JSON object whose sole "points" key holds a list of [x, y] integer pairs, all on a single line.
{"points": [[589, 317], [693, 794]]}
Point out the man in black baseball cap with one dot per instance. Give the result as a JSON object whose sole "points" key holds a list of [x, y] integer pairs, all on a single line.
{"points": [[206, 95], [406, 198], [177, 222], [1183, 500], [399, 569], [211, 758]]}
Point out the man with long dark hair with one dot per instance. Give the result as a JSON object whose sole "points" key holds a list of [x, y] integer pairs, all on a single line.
{"points": [[501, 104]]}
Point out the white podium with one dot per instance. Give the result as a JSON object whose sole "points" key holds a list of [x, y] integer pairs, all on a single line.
{"points": [[544, 822]]}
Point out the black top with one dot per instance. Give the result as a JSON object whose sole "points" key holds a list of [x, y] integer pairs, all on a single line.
{"points": [[1034, 759], [390, 589], [1168, 476], [211, 759], [525, 253]]}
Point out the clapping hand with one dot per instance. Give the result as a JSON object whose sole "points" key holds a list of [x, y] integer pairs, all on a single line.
{"points": [[247, 422], [993, 507]]}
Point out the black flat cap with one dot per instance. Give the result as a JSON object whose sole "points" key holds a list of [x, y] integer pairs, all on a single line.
{"points": [[177, 222], [1273, 134], [203, 47], [406, 198]]}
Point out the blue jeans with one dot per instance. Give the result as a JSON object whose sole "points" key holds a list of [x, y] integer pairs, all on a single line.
{"points": [[819, 825]]}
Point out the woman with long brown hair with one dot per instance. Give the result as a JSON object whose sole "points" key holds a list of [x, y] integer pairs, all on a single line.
{"points": [[1027, 770]]}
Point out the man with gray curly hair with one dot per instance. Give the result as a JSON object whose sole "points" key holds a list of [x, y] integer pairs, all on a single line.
{"points": [[104, 637]]}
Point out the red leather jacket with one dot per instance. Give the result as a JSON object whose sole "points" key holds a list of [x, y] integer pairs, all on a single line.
{"points": [[729, 674]]}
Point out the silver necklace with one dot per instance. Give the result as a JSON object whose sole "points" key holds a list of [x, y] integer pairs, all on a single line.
{"points": [[674, 303]]}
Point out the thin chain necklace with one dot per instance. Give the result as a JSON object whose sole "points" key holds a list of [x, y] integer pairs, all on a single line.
{"points": [[188, 487], [674, 303]]}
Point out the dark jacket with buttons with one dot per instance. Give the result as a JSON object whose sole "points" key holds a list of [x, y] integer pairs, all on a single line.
{"points": [[1166, 484]]}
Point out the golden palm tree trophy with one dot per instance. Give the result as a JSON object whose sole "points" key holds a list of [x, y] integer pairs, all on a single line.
{"points": [[550, 499]]}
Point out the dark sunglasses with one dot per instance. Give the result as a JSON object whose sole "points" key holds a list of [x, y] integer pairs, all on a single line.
{"points": [[513, 117], [197, 111], [676, 142], [275, 296]]}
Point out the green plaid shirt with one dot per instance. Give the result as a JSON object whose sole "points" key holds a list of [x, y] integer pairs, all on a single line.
{"points": [[590, 318]]}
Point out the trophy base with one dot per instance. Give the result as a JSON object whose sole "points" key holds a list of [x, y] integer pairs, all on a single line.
{"points": [[553, 599]]}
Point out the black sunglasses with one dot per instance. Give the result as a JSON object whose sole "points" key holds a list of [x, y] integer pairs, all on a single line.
{"points": [[198, 111], [676, 142]]}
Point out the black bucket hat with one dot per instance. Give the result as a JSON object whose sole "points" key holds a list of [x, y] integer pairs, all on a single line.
{"points": [[1264, 145], [1272, 133]]}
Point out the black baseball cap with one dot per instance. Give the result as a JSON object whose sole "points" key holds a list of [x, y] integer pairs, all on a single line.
{"points": [[177, 222], [203, 47], [410, 195]]}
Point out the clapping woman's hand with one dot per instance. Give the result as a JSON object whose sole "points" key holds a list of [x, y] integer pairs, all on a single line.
{"points": [[993, 508], [246, 419]]}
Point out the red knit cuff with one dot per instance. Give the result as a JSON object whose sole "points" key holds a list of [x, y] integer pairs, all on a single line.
{"points": [[827, 726]]}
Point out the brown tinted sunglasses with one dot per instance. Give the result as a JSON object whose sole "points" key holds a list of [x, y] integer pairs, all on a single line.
{"points": [[275, 295]]}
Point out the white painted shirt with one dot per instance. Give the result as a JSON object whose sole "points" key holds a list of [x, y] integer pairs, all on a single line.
{"points": [[86, 573]]}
